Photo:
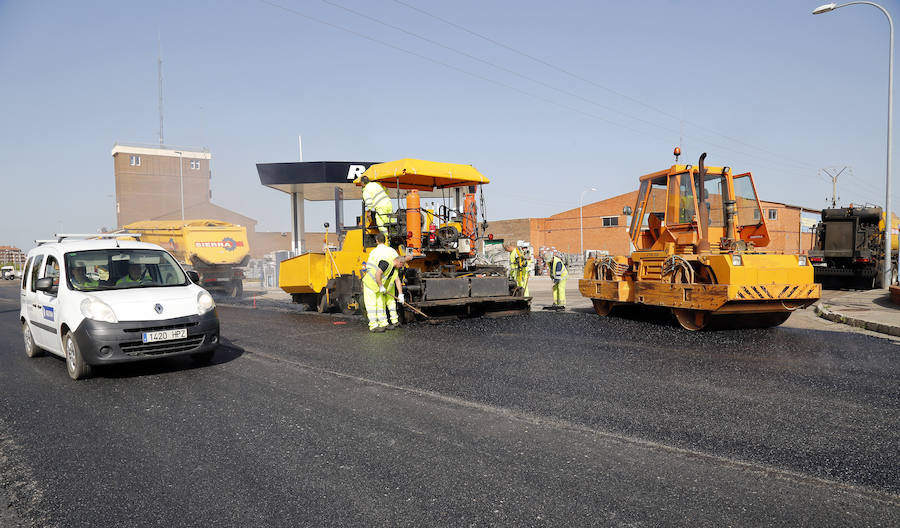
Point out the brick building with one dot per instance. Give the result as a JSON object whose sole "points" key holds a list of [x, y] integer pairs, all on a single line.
{"points": [[606, 227], [11, 256], [149, 187]]}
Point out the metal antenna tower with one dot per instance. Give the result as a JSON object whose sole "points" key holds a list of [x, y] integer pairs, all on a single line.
{"points": [[834, 177], [160, 78]]}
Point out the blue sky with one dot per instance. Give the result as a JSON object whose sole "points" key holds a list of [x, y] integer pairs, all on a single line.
{"points": [[563, 97]]}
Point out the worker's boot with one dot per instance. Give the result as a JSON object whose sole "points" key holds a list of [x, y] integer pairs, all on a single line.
{"points": [[378, 330]]}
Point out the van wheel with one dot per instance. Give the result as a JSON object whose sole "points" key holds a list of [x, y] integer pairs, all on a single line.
{"points": [[31, 350], [75, 364]]}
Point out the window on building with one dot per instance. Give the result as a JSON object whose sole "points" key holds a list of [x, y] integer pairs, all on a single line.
{"points": [[195, 164], [773, 214], [610, 221], [135, 161], [756, 214]]}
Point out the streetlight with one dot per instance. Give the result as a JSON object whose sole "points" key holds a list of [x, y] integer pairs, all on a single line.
{"points": [[581, 217], [181, 177], [886, 278]]}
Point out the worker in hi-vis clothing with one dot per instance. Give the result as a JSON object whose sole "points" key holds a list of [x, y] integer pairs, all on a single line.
{"points": [[559, 274], [381, 284], [529, 269], [377, 200], [517, 265]]}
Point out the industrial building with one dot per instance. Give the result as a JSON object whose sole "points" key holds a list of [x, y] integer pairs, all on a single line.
{"points": [[604, 227], [168, 183]]}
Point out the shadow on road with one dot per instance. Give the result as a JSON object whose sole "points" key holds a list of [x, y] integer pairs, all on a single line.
{"points": [[226, 353]]}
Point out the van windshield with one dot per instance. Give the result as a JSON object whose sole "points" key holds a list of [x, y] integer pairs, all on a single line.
{"points": [[116, 269]]}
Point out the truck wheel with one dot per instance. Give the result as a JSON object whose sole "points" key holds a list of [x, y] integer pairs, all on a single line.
{"points": [[75, 365], [31, 349], [236, 289]]}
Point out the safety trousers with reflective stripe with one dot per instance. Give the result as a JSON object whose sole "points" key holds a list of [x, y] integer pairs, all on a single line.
{"points": [[378, 307]]}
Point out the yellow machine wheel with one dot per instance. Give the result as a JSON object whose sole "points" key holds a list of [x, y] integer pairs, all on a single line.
{"points": [[692, 319], [602, 307]]}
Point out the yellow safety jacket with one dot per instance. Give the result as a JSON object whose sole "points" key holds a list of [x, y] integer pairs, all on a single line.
{"points": [[380, 255], [517, 263], [558, 270], [376, 198]]}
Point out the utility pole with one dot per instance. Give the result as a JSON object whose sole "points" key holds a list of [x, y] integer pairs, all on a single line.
{"points": [[834, 178], [159, 76]]}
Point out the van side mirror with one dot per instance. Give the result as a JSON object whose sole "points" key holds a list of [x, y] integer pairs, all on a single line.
{"points": [[45, 285], [194, 276], [627, 210]]}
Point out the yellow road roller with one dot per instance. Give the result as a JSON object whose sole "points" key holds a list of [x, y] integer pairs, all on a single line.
{"points": [[696, 233]]}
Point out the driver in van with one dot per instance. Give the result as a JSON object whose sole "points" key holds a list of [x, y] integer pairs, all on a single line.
{"points": [[136, 275], [80, 279]]}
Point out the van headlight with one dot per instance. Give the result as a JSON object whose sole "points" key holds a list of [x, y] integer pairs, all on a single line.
{"points": [[736, 260], [205, 302], [801, 260], [95, 309]]}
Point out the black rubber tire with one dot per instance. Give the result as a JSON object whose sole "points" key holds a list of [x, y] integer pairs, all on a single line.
{"points": [[31, 349], [202, 358], [75, 364]]}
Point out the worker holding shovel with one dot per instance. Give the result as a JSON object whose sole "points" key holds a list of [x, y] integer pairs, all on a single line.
{"points": [[381, 286]]}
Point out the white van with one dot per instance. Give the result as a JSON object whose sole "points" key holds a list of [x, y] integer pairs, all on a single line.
{"points": [[105, 301], [8, 273]]}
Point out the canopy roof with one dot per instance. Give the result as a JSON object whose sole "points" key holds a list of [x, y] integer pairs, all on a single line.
{"points": [[423, 175], [315, 179]]}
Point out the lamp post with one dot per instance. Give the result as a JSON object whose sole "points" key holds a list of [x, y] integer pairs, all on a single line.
{"points": [[581, 217], [886, 276], [181, 177]]}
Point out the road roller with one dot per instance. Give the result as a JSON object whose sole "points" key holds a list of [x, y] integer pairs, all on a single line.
{"points": [[696, 235]]}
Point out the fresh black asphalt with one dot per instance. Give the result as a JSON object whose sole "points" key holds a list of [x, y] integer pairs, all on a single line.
{"points": [[541, 420]]}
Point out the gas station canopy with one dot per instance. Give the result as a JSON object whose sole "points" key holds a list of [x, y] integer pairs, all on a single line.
{"points": [[315, 180]]}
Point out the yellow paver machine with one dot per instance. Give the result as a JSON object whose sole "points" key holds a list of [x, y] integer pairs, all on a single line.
{"points": [[443, 279], [695, 233]]}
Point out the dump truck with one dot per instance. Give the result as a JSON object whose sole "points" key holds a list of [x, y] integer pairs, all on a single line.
{"points": [[848, 248], [443, 278], [216, 250], [695, 233]]}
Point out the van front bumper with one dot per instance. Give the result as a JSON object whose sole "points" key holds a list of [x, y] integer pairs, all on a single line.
{"points": [[103, 343]]}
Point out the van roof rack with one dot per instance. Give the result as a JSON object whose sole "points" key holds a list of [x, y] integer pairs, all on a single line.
{"points": [[87, 236]]}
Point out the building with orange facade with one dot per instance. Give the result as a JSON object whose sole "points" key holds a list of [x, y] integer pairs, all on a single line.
{"points": [[605, 227]]}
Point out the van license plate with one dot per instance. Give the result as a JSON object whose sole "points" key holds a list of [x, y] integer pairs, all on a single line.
{"points": [[165, 335]]}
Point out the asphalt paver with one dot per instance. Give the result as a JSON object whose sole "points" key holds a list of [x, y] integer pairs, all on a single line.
{"points": [[539, 420]]}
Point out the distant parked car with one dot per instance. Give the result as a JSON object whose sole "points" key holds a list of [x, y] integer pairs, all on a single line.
{"points": [[8, 273]]}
